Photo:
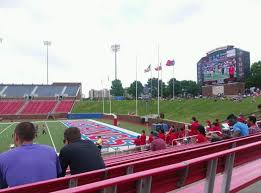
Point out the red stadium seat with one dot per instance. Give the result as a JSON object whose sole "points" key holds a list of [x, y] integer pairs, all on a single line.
{"points": [[10, 107], [64, 106], [38, 107], [140, 167]]}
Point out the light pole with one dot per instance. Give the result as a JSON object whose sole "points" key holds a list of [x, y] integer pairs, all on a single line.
{"points": [[1, 40], [115, 48], [47, 44]]}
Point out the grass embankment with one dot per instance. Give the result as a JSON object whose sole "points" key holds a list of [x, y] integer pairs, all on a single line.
{"points": [[179, 110]]}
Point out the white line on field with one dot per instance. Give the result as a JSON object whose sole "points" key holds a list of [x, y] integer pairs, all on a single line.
{"points": [[6, 128], [50, 136]]}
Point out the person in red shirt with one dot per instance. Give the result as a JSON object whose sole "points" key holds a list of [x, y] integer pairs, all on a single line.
{"points": [[193, 128], [137, 141], [181, 133], [162, 135], [201, 136], [150, 137], [171, 136], [169, 133], [209, 126], [241, 118], [231, 71], [143, 138]]}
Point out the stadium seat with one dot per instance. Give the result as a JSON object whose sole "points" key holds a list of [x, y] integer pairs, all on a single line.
{"points": [[64, 106], [38, 107], [163, 164], [10, 107]]}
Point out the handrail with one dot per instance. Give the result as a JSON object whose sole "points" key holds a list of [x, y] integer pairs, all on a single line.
{"points": [[66, 179], [156, 171]]}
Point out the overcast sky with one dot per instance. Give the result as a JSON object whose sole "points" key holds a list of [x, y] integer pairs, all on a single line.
{"points": [[82, 32]]}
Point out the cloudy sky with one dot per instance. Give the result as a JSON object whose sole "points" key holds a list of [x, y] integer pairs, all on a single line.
{"points": [[82, 32]]}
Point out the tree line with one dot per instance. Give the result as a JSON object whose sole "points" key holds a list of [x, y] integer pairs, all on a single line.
{"points": [[184, 87], [181, 88]]}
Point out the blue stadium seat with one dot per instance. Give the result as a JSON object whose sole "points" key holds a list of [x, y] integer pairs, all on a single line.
{"points": [[71, 90], [48, 91], [18, 90]]}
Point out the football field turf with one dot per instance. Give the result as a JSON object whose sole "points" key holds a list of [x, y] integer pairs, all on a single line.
{"points": [[53, 137], [55, 130]]}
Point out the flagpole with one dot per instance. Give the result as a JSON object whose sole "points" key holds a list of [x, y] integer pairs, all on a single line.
{"points": [[109, 93], [158, 84], [161, 81], [102, 98], [136, 88], [151, 83], [173, 83]]}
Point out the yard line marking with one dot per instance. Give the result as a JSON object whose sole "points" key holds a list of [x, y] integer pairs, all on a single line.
{"points": [[50, 136], [6, 128]]}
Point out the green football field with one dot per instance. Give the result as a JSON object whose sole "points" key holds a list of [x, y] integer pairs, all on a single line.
{"points": [[54, 136]]}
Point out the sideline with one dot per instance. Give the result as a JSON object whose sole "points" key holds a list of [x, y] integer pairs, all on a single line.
{"points": [[6, 128], [50, 136]]}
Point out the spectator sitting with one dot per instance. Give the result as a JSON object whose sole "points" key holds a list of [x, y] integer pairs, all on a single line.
{"points": [[181, 132], [137, 141], [171, 137], [80, 155], [157, 143], [251, 122], [201, 136], [143, 138], [239, 129], [162, 134], [209, 125], [241, 118], [150, 137], [28, 162]]}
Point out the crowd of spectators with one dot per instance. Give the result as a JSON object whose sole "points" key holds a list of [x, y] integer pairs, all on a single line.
{"points": [[211, 132]]}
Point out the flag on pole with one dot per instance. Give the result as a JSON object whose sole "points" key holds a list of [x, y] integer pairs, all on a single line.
{"points": [[170, 63], [148, 69], [158, 68]]}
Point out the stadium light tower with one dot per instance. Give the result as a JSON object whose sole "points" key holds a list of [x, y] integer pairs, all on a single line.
{"points": [[47, 44], [115, 48]]}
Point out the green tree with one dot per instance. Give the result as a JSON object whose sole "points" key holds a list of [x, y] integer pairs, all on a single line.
{"points": [[190, 87], [254, 78], [155, 87], [132, 89], [177, 88], [116, 88]]}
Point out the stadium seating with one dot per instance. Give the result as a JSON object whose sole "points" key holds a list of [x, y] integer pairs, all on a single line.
{"points": [[48, 91], [10, 107], [38, 107], [163, 164], [18, 91], [64, 106], [71, 91], [172, 177]]}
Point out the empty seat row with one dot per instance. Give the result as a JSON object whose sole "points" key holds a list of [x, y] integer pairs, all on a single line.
{"points": [[19, 91], [10, 107], [38, 107], [64, 106]]}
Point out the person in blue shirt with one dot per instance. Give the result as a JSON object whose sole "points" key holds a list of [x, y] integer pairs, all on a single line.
{"points": [[27, 162], [238, 129]]}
